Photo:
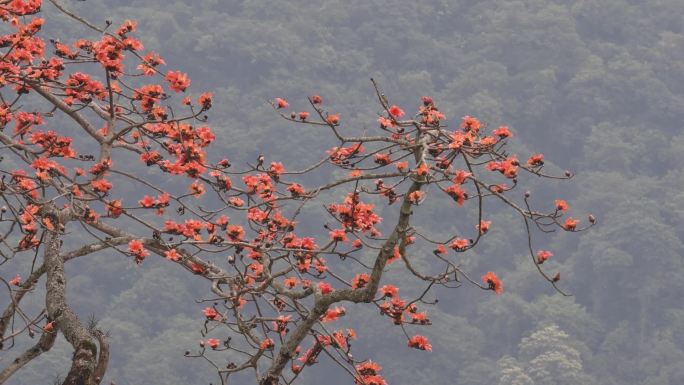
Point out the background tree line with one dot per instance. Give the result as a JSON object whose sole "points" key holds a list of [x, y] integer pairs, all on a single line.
{"points": [[597, 85]]}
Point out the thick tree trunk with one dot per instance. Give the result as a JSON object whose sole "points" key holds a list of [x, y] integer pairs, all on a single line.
{"points": [[84, 360]]}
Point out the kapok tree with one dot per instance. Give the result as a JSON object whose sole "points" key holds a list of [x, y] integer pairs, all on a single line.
{"points": [[83, 121]]}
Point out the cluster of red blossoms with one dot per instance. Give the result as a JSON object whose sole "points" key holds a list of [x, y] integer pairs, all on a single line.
{"points": [[369, 374], [266, 269]]}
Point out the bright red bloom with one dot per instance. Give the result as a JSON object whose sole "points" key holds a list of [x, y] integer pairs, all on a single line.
{"points": [[277, 168], [570, 224], [457, 193], [382, 159], [101, 185], [137, 248], [325, 288], [384, 122], [213, 343], [461, 176], [333, 314], [493, 281], [177, 80], [210, 313], [280, 324], [333, 119], [126, 27], [396, 112], [396, 255], [416, 196], [235, 201], [419, 342], [172, 255], [147, 201], [543, 255], [420, 318], [470, 123], [503, 132], [290, 282], [389, 291], [281, 103], [483, 227], [368, 370], [561, 205], [422, 170], [50, 326], [459, 244], [266, 344], [196, 188], [316, 99], [196, 268], [535, 160], [16, 281], [339, 235], [204, 100], [360, 281]]}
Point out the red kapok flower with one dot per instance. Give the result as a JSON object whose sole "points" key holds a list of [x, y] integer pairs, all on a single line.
{"points": [[178, 81], [204, 100], [325, 288], [338, 235], [281, 103], [138, 250], [213, 343], [419, 342], [210, 313], [333, 119], [561, 205], [290, 282], [295, 189], [503, 132], [536, 160], [360, 281], [16, 281], [416, 196], [483, 227], [389, 291], [172, 255], [459, 244], [266, 344], [196, 189], [493, 281], [101, 185], [333, 314], [570, 224], [396, 112], [470, 123], [543, 255], [277, 168], [50, 326]]}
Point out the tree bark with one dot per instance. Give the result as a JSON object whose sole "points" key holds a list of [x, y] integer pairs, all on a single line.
{"points": [[84, 360]]}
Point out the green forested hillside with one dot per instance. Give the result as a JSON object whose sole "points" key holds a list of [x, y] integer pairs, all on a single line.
{"points": [[596, 85]]}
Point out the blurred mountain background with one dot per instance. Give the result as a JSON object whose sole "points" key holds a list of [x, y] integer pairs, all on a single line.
{"points": [[596, 85]]}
